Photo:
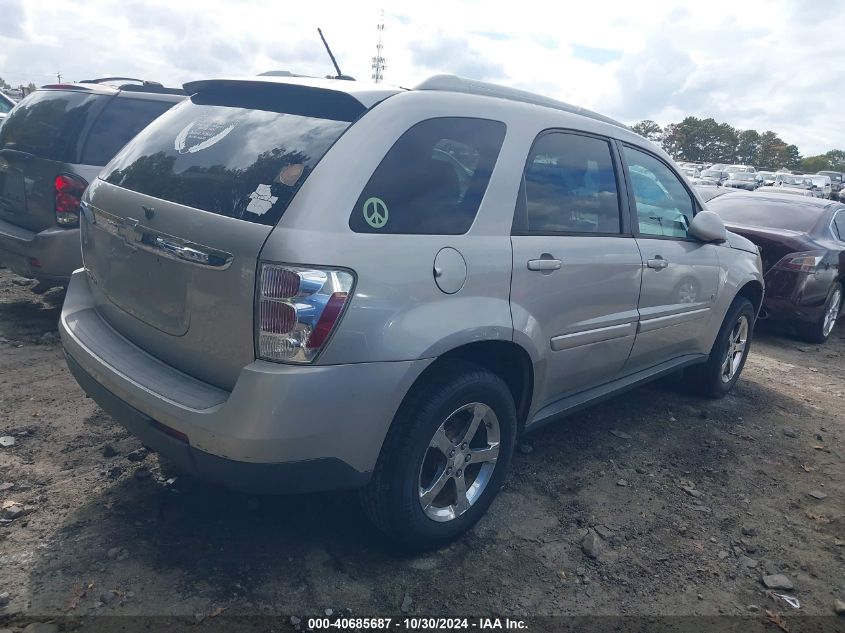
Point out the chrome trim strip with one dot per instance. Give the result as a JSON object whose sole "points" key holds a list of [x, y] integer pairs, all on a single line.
{"points": [[138, 236], [576, 339], [649, 325]]}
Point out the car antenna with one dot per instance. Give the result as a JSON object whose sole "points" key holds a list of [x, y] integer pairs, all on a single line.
{"points": [[340, 75]]}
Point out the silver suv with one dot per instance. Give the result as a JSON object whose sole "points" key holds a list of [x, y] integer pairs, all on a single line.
{"points": [[296, 284]]}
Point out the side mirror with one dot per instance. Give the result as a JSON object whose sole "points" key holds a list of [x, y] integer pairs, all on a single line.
{"points": [[708, 227]]}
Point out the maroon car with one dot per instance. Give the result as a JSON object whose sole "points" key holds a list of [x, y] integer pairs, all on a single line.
{"points": [[802, 243]]}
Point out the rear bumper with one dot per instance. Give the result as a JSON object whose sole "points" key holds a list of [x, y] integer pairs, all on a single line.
{"points": [[796, 296], [50, 255], [283, 428]]}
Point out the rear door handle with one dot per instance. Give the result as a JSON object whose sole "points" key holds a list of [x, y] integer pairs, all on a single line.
{"points": [[543, 264], [658, 263]]}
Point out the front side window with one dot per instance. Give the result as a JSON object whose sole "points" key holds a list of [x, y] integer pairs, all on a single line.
{"points": [[570, 186], [664, 206], [432, 180]]}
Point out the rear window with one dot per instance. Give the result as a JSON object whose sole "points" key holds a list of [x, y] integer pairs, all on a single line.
{"points": [[432, 180], [119, 122], [48, 123], [774, 214], [232, 161]]}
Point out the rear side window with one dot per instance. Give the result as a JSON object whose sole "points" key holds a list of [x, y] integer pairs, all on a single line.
{"points": [[570, 186], [5, 106], [432, 180], [238, 162], [839, 224], [48, 123], [119, 122], [664, 206]]}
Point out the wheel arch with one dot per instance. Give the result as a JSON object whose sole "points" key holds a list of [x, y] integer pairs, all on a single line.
{"points": [[506, 359], [753, 291]]}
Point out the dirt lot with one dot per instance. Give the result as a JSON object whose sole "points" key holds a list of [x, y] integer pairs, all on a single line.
{"points": [[688, 503]]}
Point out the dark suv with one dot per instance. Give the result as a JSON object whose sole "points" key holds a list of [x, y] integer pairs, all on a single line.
{"points": [[52, 144]]}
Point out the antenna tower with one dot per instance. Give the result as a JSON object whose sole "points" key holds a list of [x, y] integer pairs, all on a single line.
{"points": [[378, 64]]}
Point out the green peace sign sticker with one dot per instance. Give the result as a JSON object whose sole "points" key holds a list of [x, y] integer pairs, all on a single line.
{"points": [[375, 212]]}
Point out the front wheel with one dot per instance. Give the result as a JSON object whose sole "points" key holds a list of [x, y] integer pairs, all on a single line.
{"points": [[445, 457], [719, 374], [821, 330]]}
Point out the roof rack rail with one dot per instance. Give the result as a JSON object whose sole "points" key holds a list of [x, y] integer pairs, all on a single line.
{"points": [[103, 80], [453, 83], [139, 85]]}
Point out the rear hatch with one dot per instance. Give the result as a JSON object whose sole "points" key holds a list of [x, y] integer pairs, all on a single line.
{"points": [[64, 131], [39, 140], [172, 231]]}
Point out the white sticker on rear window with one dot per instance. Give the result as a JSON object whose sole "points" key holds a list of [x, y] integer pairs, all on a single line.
{"points": [[262, 200], [200, 135]]}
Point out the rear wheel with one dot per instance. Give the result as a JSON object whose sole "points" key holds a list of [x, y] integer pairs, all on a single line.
{"points": [[445, 457], [820, 331], [719, 374]]}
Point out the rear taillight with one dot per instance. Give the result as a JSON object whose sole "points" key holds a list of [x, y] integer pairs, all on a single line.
{"points": [[802, 262], [69, 190], [298, 308]]}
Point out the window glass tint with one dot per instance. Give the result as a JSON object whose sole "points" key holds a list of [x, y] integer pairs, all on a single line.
{"points": [[570, 186], [664, 206], [5, 106], [237, 162], [121, 120], [839, 222], [432, 180], [48, 123]]}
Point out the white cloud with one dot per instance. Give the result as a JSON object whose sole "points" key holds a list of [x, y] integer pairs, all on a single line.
{"points": [[755, 64]]}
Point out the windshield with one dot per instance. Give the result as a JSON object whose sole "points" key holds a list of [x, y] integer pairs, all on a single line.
{"points": [[744, 176], [794, 181], [711, 173], [232, 161], [834, 176]]}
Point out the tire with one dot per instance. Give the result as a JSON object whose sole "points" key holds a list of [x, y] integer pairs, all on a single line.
{"points": [[438, 412], [821, 330], [712, 379]]}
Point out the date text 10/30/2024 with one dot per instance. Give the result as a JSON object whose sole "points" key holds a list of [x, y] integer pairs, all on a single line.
{"points": [[418, 624]]}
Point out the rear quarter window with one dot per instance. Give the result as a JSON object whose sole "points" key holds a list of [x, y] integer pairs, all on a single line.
{"points": [[119, 122], [432, 180], [48, 123]]}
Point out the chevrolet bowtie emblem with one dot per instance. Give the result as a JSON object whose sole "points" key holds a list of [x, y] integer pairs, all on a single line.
{"points": [[128, 230]]}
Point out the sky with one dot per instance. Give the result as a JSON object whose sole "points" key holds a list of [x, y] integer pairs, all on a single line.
{"points": [[763, 64]]}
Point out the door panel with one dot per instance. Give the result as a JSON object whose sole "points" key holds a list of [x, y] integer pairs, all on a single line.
{"points": [[583, 314], [680, 274], [675, 301], [576, 278]]}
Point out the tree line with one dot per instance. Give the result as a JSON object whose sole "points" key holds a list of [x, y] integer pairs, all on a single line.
{"points": [[707, 141]]}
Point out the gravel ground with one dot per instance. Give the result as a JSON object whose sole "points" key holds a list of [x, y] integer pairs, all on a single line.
{"points": [[653, 503]]}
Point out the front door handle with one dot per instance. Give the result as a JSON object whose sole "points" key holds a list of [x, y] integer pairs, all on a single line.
{"points": [[543, 264], [658, 263]]}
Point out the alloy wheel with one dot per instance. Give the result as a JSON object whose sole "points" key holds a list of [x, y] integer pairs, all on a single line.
{"points": [[737, 342], [832, 312], [459, 462]]}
